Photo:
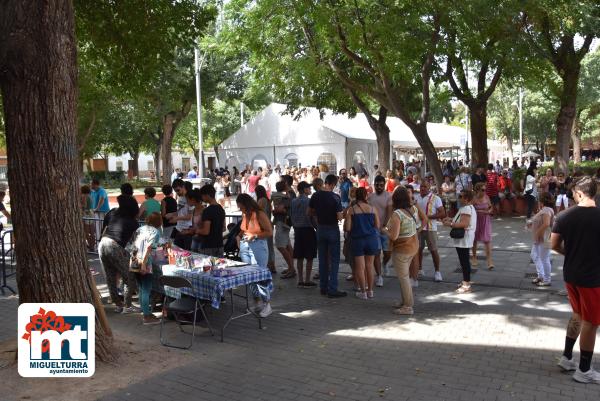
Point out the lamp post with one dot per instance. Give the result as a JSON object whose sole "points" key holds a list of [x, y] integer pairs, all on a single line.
{"points": [[521, 125], [198, 64]]}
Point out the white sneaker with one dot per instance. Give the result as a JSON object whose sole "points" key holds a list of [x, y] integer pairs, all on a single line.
{"points": [[414, 283], [266, 311], [360, 295], [591, 376], [258, 306], [437, 276], [131, 309], [379, 281], [567, 364]]}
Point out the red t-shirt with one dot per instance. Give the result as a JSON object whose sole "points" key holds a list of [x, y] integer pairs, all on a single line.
{"points": [[504, 183], [253, 182], [491, 187]]}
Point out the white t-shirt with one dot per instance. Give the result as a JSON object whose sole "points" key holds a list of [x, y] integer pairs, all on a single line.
{"points": [[467, 240], [429, 204], [183, 209]]}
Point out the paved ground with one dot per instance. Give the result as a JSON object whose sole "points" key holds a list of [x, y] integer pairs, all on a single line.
{"points": [[500, 342]]}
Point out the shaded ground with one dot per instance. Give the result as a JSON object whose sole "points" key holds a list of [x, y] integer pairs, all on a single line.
{"points": [[500, 342]]}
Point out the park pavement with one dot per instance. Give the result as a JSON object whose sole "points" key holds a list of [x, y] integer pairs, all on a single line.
{"points": [[500, 342]]}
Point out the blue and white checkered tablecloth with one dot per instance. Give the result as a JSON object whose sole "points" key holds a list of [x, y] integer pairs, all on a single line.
{"points": [[207, 286]]}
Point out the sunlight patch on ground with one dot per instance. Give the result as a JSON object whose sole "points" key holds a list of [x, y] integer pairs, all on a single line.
{"points": [[297, 315], [478, 329]]}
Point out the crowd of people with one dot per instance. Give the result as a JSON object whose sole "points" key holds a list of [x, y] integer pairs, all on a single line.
{"points": [[385, 218]]}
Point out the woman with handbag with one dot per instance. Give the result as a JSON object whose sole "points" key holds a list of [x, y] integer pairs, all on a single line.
{"points": [[462, 232], [402, 231], [144, 242]]}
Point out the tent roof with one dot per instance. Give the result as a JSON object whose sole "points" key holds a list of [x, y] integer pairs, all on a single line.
{"points": [[271, 127]]}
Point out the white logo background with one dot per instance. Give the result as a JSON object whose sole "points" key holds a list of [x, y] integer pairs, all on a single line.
{"points": [[57, 367]]}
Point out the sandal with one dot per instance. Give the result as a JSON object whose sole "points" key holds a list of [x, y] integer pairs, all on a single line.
{"points": [[290, 274], [536, 280], [349, 277], [463, 289], [300, 284], [491, 267]]}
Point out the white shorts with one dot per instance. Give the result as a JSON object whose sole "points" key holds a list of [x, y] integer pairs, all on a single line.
{"points": [[562, 199]]}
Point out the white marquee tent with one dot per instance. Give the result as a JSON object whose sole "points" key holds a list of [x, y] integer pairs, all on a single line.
{"points": [[336, 140]]}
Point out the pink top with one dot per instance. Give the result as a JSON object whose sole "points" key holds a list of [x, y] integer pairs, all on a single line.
{"points": [[252, 183]]}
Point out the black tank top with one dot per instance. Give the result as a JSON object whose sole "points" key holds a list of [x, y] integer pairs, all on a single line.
{"points": [[171, 207]]}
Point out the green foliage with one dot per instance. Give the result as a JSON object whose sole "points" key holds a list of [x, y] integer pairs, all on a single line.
{"points": [[588, 105], [132, 41], [587, 167], [107, 178], [441, 105], [135, 65]]}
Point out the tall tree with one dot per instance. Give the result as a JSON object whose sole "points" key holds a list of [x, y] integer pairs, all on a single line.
{"points": [[479, 39], [588, 104], [38, 80], [366, 49], [561, 32], [142, 48]]}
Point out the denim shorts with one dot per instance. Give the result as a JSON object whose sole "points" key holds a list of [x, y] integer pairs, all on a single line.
{"points": [[384, 242], [366, 246]]}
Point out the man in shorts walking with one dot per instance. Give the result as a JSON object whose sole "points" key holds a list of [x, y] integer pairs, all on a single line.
{"points": [[576, 234], [433, 207]]}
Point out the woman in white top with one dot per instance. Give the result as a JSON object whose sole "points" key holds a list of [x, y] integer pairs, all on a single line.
{"points": [[531, 192], [465, 218]]}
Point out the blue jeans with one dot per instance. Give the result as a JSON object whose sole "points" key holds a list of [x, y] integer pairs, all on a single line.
{"points": [[257, 253], [328, 243], [145, 288]]}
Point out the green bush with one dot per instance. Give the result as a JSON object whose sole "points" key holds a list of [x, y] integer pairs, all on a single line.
{"points": [[107, 178], [587, 167], [518, 177]]}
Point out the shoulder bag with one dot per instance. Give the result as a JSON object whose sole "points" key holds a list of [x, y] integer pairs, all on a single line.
{"points": [[456, 232]]}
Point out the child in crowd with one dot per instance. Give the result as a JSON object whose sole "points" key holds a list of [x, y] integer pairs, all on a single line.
{"points": [[541, 224], [150, 205]]}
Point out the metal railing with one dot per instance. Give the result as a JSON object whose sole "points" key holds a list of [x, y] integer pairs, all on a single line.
{"points": [[8, 252], [93, 229]]}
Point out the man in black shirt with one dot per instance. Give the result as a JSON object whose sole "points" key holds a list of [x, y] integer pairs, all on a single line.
{"points": [[576, 234], [327, 206], [479, 176], [212, 224]]}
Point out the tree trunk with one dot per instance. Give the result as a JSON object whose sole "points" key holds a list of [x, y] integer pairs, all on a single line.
{"points": [[170, 122], [576, 138], [382, 133], [565, 119], [420, 133], [509, 144], [38, 80], [478, 116], [157, 165], [136, 165]]}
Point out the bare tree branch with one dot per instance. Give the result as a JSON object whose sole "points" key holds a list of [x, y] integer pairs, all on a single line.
{"points": [[427, 69], [492, 87]]}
